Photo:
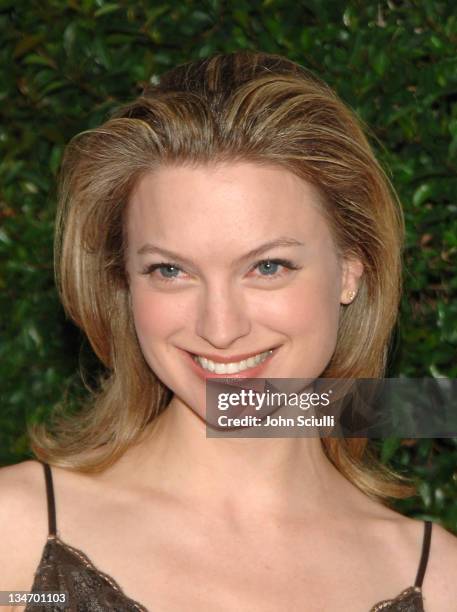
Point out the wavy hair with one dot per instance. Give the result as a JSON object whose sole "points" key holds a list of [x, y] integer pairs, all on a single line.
{"points": [[243, 106]]}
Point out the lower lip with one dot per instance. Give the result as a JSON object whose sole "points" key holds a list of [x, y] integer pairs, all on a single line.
{"points": [[254, 372]]}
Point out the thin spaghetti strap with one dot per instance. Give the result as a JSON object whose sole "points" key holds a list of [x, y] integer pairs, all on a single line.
{"points": [[51, 500], [425, 554]]}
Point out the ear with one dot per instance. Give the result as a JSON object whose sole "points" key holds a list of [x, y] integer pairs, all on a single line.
{"points": [[351, 273]]}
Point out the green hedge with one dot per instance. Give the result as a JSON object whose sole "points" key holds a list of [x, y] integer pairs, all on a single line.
{"points": [[66, 65]]}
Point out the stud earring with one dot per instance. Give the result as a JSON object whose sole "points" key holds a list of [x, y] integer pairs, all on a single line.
{"points": [[351, 295]]}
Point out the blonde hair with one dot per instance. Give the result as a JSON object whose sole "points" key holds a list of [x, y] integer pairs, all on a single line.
{"points": [[241, 106]]}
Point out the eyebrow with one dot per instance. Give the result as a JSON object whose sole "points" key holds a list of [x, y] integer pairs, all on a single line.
{"points": [[280, 242]]}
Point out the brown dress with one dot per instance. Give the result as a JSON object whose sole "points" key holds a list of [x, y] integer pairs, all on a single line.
{"points": [[63, 568]]}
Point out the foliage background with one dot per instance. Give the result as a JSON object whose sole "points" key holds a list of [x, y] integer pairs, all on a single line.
{"points": [[65, 65]]}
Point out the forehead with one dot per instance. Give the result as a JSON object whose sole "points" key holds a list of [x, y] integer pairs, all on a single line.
{"points": [[223, 204]]}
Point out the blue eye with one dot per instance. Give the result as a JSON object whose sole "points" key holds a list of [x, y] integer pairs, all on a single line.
{"points": [[275, 268], [168, 271], [268, 268], [165, 271]]}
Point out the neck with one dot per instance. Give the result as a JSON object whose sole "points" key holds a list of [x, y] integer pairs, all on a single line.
{"points": [[242, 476]]}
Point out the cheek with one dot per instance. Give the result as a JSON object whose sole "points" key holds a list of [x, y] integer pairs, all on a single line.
{"points": [[308, 315], [156, 316], [312, 304]]}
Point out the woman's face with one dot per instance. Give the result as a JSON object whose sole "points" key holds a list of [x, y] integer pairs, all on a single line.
{"points": [[233, 272]]}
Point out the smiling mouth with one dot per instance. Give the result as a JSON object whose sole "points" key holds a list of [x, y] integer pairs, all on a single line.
{"points": [[235, 367]]}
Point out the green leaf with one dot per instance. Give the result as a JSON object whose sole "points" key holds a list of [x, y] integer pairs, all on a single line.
{"points": [[26, 44], [389, 447], [107, 9], [422, 194]]}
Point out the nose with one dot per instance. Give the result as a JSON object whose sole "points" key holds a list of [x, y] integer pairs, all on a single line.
{"points": [[222, 316]]}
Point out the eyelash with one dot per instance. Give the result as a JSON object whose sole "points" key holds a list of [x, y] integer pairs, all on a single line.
{"points": [[285, 263]]}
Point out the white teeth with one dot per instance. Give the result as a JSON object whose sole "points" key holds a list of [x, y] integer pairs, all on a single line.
{"points": [[231, 368], [219, 368]]}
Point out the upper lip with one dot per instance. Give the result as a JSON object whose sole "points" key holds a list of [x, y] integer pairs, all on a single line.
{"points": [[232, 358]]}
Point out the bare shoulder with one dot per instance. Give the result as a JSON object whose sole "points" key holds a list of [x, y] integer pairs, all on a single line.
{"points": [[404, 536], [23, 523], [440, 583], [439, 586]]}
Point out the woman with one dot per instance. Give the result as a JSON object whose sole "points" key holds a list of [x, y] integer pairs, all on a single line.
{"points": [[232, 214]]}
